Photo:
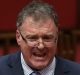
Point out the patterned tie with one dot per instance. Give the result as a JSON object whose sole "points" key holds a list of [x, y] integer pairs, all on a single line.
{"points": [[35, 73]]}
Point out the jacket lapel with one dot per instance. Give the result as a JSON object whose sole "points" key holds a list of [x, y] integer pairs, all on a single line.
{"points": [[15, 64], [61, 67]]}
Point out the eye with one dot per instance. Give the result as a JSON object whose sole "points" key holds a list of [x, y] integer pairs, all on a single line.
{"points": [[32, 38], [48, 38]]}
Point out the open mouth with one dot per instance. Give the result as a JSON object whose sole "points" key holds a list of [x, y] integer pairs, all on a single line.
{"points": [[39, 54]]}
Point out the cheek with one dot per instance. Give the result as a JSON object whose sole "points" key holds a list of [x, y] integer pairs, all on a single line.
{"points": [[52, 51], [26, 50]]}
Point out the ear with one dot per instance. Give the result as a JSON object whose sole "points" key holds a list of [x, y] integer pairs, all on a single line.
{"points": [[18, 37]]}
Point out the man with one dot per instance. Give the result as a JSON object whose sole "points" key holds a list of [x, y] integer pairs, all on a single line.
{"points": [[36, 35]]}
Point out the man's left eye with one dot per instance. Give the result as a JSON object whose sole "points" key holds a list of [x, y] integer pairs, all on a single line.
{"points": [[47, 38]]}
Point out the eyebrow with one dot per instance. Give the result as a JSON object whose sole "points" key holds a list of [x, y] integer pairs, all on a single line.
{"points": [[29, 35]]}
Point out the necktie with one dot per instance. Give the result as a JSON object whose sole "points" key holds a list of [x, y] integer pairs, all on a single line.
{"points": [[35, 73]]}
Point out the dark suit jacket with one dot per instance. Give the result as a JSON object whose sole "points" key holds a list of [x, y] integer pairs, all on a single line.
{"points": [[11, 65]]}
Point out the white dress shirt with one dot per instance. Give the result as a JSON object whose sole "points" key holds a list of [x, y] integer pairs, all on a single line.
{"points": [[47, 71]]}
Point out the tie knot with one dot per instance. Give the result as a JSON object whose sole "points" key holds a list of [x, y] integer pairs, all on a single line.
{"points": [[35, 73]]}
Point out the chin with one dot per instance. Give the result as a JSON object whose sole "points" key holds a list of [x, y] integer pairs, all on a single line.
{"points": [[39, 65]]}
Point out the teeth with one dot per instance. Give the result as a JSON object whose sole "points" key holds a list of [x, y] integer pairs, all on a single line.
{"points": [[40, 55]]}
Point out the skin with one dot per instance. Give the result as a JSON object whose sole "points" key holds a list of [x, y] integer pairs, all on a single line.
{"points": [[40, 56]]}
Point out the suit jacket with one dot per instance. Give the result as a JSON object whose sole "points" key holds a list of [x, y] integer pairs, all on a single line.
{"points": [[11, 65]]}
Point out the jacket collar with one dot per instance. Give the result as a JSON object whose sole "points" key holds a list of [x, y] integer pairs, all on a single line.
{"points": [[15, 64]]}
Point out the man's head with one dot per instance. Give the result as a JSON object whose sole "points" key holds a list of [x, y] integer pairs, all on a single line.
{"points": [[37, 34]]}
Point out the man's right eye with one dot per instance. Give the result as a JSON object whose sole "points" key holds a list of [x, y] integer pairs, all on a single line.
{"points": [[32, 38]]}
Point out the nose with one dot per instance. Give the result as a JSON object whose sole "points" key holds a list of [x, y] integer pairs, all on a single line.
{"points": [[40, 44]]}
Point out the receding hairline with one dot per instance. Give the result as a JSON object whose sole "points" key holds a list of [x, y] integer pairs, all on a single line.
{"points": [[28, 12]]}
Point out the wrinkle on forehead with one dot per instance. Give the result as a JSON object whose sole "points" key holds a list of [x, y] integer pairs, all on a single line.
{"points": [[42, 25]]}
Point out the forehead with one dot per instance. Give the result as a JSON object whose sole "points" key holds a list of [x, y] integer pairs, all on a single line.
{"points": [[41, 26]]}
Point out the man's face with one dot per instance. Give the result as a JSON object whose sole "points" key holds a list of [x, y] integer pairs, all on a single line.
{"points": [[38, 42]]}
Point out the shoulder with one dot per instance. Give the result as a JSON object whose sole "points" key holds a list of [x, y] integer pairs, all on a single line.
{"points": [[5, 60], [69, 65], [72, 64]]}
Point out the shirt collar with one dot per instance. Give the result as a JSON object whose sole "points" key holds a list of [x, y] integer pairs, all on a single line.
{"points": [[47, 71], [26, 69]]}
